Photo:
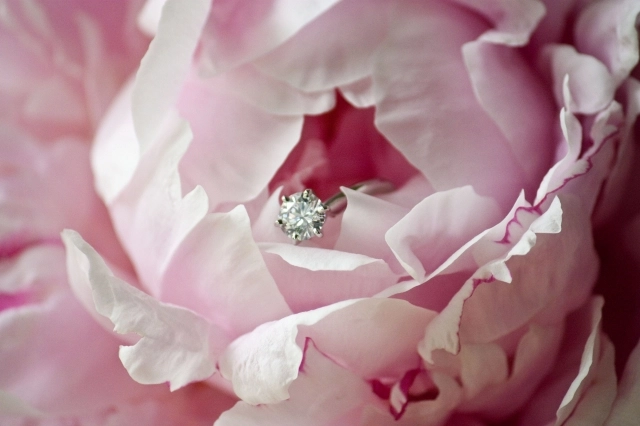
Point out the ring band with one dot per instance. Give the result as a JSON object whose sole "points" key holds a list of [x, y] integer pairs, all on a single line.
{"points": [[302, 215]]}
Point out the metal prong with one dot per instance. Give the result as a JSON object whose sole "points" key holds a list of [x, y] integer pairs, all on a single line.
{"points": [[279, 222], [285, 199], [317, 232], [306, 194]]}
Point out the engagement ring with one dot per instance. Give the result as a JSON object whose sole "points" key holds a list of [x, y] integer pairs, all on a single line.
{"points": [[302, 215]]}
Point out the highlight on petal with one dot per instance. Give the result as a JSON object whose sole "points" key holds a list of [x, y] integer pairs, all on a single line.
{"points": [[174, 344]]}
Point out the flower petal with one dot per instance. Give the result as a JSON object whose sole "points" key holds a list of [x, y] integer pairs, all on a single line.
{"points": [[239, 31], [324, 394], [445, 220], [175, 342], [625, 407], [335, 49], [165, 65], [426, 107]]}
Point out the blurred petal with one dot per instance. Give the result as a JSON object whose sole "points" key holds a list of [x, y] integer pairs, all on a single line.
{"points": [[626, 410], [607, 31], [514, 20]]}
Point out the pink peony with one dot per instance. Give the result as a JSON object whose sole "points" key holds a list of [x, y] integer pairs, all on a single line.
{"points": [[470, 295]]}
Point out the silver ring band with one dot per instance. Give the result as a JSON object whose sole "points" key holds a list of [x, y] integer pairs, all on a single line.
{"points": [[302, 215]]}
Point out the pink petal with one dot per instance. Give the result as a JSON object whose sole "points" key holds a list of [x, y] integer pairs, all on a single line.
{"points": [[445, 220], [625, 407], [262, 364], [175, 342], [310, 277], [430, 114], [165, 65], [446, 329], [514, 21], [607, 31], [517, 101], [324, 394], [594, 351], [224, 149], [55, 359], [218, 271], [335, 49], [590, 83], [238, 31]]}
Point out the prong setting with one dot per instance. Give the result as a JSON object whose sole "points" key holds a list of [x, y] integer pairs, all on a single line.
{"points": [[302, 216]]}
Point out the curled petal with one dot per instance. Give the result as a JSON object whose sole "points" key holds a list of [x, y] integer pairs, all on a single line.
{"points": [[175, 341]]}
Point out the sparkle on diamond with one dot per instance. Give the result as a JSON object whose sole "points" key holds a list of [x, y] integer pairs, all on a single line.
{"points": [[302, 215]]}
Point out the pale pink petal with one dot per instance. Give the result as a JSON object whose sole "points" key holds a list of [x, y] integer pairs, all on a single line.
{"points": [[174, 346], [594, 353], [359, 93], [426, 107], [527, 366], [149, 16], [626, 409], [239, 31], [444, 220], [237, 147], [324, 394], [310, 277], [218, 272], [595, 403], [514, 20], [262, 364], [608, 32], [335, 49], [388, 328], [165, 65], [150, 215], [444, 331], [516, 100], [590, 83], [272, 95]]}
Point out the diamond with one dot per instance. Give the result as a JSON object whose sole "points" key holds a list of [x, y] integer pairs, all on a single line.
{"points": [[302, 215]]}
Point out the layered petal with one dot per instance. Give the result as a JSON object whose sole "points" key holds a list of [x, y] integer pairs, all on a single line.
{"points": [[174, 344]]}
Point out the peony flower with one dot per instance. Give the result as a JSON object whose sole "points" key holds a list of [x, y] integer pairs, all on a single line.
{"points": [[466, 296]]}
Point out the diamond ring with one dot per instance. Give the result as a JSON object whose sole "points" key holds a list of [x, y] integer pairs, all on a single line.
{"points": [[302, 215]]}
